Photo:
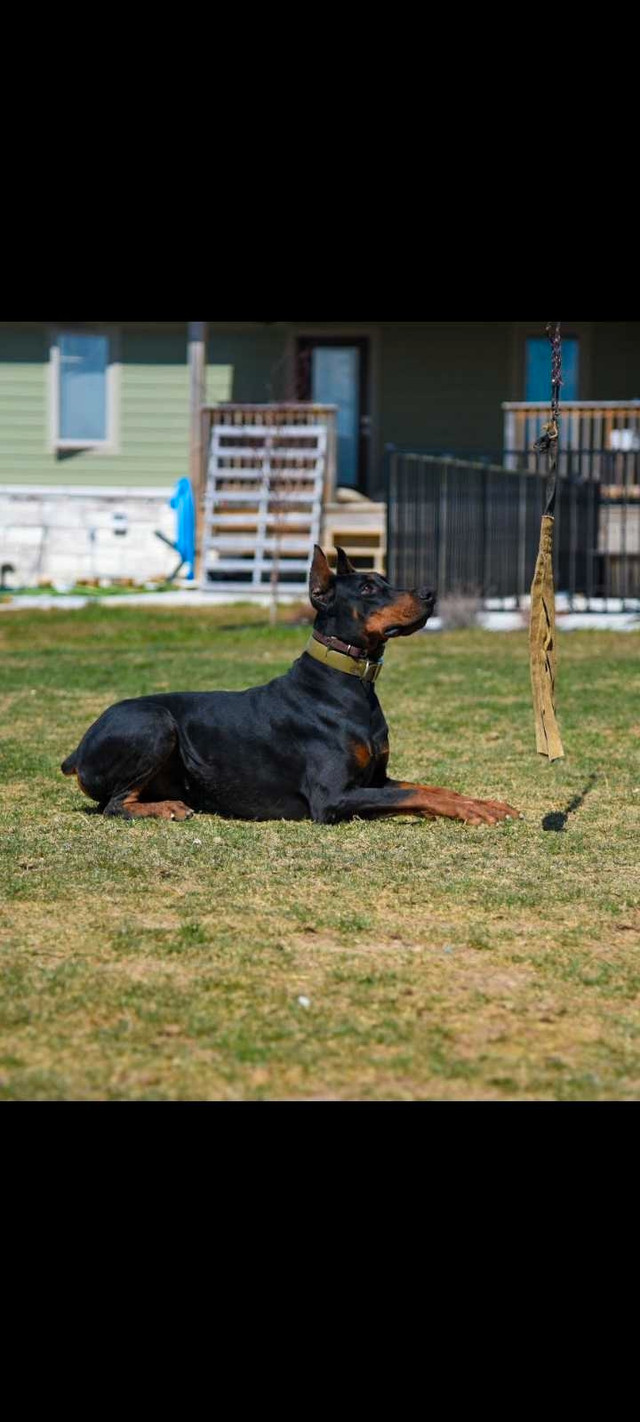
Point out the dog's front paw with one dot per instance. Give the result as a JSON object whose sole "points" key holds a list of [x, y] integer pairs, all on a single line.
{"points": [[487, 812]]}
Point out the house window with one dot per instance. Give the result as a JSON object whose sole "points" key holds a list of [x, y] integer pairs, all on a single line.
{"points": [[83, 390], [538, 369]]}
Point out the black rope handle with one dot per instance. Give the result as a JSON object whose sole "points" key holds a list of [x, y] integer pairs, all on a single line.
{"points": [[550, 437]]}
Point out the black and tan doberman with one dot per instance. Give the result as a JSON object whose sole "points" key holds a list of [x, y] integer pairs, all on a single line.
{"points": [[312, 744]]}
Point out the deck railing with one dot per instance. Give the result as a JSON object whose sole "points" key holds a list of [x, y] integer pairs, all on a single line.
{"points": [[595, 437]]}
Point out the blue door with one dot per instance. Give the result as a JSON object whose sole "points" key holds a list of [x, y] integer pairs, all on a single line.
{"points": [[538, 372], [334, 372]]}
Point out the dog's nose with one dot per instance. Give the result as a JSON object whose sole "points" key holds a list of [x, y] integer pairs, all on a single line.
{"points": [[428, 595]]}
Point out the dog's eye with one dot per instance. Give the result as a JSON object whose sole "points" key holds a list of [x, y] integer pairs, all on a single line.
{"points": [[367, 589]]}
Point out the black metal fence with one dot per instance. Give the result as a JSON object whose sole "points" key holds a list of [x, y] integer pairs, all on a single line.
{"points": [[472, 528]]}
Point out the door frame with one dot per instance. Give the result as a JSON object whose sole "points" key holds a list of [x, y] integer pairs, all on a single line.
{"points": [[368, 339]]}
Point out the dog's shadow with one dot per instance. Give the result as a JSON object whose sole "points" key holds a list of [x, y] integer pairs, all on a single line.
{"points": [[556, 822]]}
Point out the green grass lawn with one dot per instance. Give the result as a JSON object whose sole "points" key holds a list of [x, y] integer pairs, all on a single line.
{"points": [[153, 960]]}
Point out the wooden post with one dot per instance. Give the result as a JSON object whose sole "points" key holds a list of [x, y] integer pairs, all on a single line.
{"points": [[197, 349]]}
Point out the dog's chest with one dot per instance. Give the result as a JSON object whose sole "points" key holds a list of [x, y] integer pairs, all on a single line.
{"points": [[370, 750]]}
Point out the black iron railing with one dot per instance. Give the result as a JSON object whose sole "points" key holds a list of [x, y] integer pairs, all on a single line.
{"points": [[472, 527]]}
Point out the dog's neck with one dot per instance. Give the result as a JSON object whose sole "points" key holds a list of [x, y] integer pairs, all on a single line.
{"points": [[323, 631], [346, 648]]}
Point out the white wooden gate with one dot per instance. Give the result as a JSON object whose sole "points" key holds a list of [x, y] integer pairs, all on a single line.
{"points": [[263, 501]]}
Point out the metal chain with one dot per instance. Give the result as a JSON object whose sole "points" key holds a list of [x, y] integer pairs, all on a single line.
{"points": [[549, 439], [555, 338]]}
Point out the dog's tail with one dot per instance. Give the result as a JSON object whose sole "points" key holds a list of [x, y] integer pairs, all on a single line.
{"points": [[69, 765]]}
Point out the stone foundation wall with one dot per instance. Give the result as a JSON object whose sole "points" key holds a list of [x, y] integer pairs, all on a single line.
{"points": [[66, 535]]}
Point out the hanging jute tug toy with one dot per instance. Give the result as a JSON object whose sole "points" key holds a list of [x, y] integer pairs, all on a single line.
{"points": [[543, 602]]}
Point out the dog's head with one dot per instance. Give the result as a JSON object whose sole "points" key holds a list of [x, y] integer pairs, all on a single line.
{"points": [[361, 609]]}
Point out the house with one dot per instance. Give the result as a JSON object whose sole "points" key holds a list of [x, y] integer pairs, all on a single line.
{"points": [[98, 420]]}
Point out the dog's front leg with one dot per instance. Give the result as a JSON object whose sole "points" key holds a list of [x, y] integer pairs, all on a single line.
{"points": [[399, 797]]}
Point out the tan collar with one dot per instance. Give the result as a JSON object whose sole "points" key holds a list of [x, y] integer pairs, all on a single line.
{"points": [[340, 661]]}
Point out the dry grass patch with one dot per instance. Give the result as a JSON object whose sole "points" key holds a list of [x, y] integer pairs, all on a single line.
{"points": [[161, 961]]}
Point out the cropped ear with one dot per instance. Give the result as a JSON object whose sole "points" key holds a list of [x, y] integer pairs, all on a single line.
{"points": [[321, 581], [344, 566]]}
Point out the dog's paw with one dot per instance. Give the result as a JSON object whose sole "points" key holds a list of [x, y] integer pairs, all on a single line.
{"points": [[177, 810], [487, 812]]}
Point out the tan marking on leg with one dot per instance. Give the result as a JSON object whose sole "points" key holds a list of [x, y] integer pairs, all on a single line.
{"points": [[158, 810], [432, 800], [361, 754]]}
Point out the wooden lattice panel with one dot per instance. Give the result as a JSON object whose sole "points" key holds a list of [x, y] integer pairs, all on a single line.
{"points": [[263, 497]]}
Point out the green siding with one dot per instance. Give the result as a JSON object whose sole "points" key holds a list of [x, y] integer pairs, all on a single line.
{"points": [[219, 383], [247, 365], [616, 361], [154, 414], [443, 383], [23, 405]]}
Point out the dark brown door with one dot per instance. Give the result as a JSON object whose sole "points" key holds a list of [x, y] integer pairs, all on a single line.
{"points": [[334, 370]]}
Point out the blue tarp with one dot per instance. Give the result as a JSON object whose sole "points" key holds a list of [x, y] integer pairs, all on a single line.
{"points": [[183, 504]]}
